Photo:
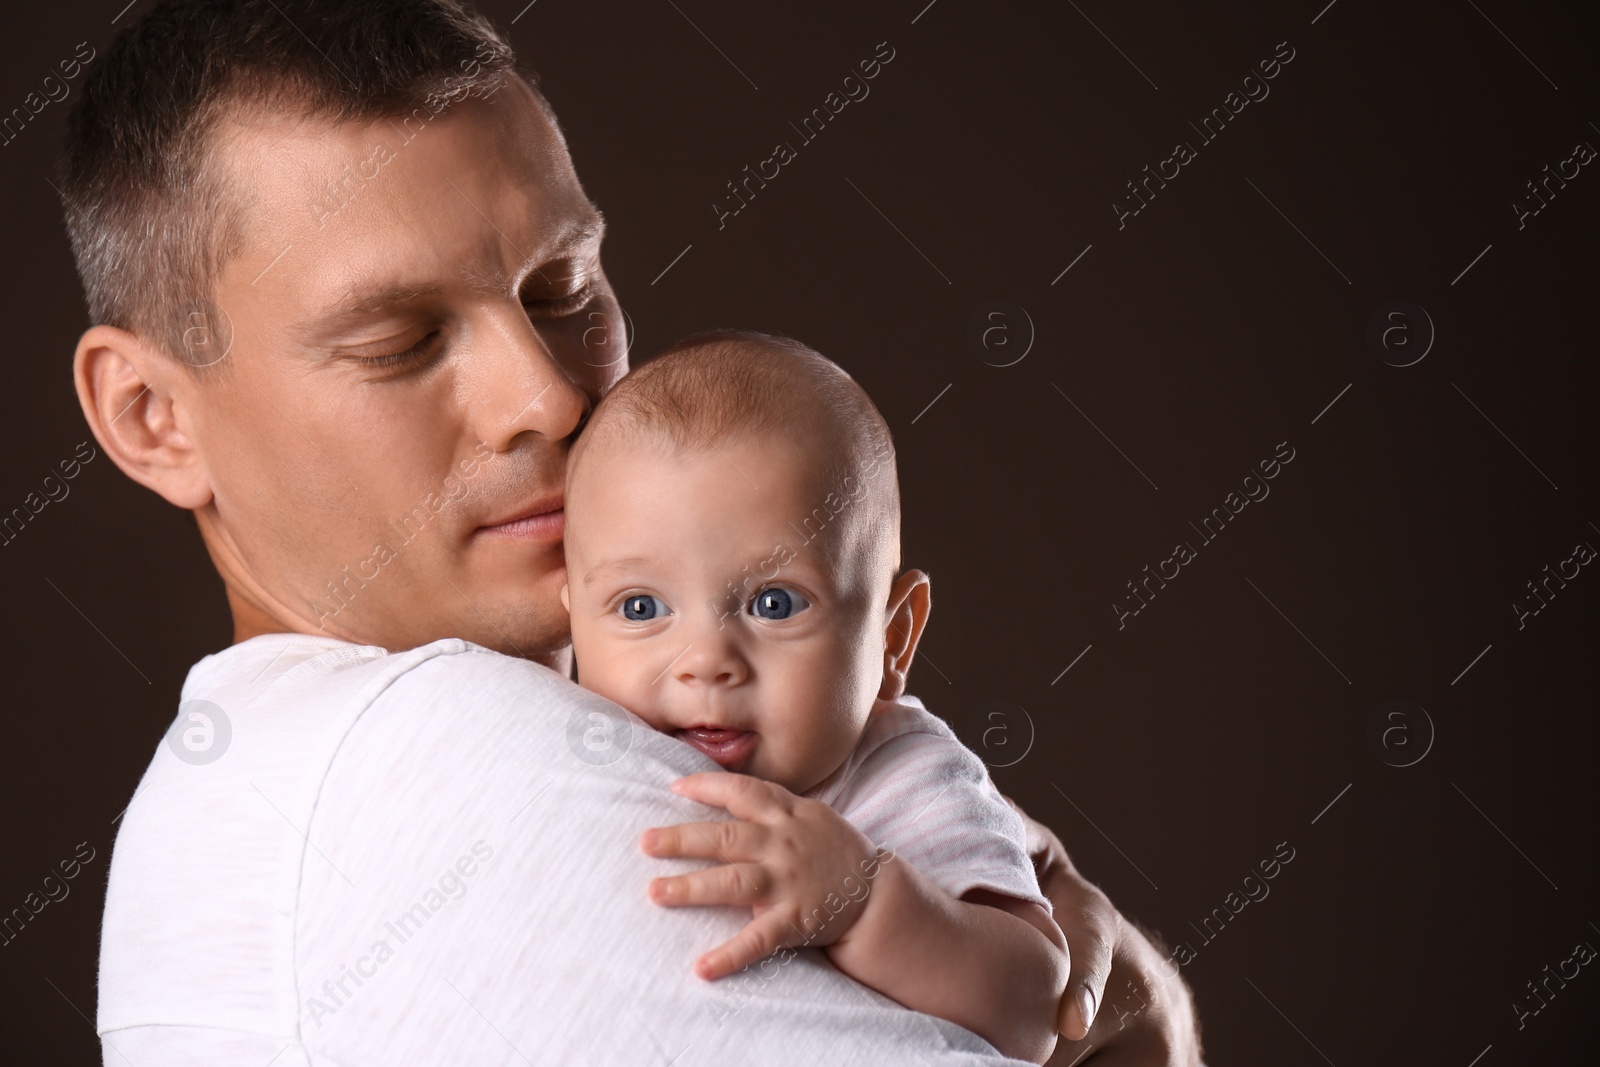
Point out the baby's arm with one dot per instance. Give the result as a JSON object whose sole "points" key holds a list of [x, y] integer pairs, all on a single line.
{"points": [[991, 963]]}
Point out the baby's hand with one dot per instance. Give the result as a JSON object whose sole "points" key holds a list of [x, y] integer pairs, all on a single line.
{"points": [[784, 856]]}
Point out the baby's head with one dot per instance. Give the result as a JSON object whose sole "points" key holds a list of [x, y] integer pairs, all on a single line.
{"points": [[733, 555]]}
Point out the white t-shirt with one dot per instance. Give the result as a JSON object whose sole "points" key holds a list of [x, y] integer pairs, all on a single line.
{"points": [[912, 785], [340, 856]]}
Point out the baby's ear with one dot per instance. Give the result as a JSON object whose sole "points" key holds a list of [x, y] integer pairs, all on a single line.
{"points": [[567, 606], [909, 603]]}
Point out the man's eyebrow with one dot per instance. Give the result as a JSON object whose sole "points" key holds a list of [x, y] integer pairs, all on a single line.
{"points": [[581, 231], [590, 226], [361, 298]]}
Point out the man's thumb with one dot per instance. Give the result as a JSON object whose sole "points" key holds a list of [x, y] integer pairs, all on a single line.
{"points": [[1091, 966]]}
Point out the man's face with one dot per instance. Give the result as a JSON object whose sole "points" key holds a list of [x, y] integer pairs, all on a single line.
{"points": [[419, 325], [716, 595]]}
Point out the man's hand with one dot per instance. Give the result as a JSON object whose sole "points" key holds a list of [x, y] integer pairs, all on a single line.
{"points": [[785, 857], [1150, 1020]]}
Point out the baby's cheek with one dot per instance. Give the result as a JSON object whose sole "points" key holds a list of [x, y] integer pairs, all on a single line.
{"points": [[601, 670], [833, 732], [794, 741], [621, 687]]}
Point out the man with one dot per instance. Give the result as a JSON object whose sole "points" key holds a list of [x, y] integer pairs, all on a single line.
{"points": [[350, 313]]}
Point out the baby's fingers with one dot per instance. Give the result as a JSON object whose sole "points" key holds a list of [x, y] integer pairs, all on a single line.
{"points": [[727, 840], [735, 883], [751, 799], [759, 939]]}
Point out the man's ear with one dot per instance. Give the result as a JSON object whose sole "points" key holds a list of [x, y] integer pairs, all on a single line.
{"points": [[134, 397], [909, 604]]}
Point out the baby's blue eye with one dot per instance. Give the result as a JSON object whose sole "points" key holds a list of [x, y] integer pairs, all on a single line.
{"points": [[643, 608], [775, 602]]}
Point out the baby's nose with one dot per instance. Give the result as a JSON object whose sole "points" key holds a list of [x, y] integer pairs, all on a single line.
{"points": [[710, 658]]}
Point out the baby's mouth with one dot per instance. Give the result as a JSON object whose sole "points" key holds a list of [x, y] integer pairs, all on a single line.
{"points": [[725, 746]]}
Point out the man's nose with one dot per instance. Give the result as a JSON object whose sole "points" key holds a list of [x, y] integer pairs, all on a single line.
{"points": [[520, 387]]}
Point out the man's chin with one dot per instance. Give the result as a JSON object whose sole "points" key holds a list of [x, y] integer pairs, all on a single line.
{"points": [[510, 569], [507, 599], [524, 620]]}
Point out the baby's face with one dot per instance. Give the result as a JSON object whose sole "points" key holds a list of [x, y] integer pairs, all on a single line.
{"points": [[699, 604]]}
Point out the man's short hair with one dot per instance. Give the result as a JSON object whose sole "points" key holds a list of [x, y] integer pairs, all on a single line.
{"points": [[151, 219]]}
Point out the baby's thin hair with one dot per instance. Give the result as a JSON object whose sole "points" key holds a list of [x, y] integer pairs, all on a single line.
{"points": [[719, 385]]}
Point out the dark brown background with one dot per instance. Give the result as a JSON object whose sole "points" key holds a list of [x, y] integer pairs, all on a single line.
{"points": [[1180, 751]]}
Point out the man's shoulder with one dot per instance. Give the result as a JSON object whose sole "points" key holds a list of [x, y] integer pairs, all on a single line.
{"points": [[460, 701], [387, 835], [284, 684], [291, 666], [299, 710], [290, 753], [394, 718], [460, 669]]}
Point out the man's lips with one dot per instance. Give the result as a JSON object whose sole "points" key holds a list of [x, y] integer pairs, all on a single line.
{"points": [[725, 746], [541, 521]]}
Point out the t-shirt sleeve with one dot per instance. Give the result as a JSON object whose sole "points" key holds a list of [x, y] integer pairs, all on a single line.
{"points": [[929, 798]]}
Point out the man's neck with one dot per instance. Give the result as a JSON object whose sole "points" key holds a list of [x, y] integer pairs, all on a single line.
{"points": [[250, 620]]}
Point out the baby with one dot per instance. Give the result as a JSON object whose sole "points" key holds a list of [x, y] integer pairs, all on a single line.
{"points": [[733, 569]]}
